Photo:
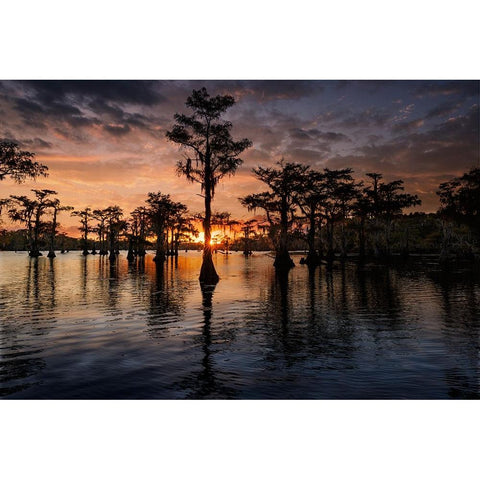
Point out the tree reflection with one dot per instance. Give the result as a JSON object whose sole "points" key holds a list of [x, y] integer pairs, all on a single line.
{"points": [[204, 382], [166, 300], [113, 286], [461, 330], [21, 360]]}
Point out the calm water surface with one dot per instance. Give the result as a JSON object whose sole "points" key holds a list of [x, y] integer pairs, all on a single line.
{"points": [[78, 327]]}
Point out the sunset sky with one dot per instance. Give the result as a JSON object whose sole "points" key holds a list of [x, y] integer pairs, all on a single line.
{"points": [[104, 141]]}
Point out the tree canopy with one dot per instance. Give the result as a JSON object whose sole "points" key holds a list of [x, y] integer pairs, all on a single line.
{"points": [[19, 164]]}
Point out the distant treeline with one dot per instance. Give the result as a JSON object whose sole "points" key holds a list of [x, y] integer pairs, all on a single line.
{"points": [[350, 219]]}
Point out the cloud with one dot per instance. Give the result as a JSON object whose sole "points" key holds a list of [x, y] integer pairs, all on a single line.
{"points": [[408, 126], [443, 110], [314, 134], [462, 88], [443, 151], [268, 90], [141, 92], [31, 143], [369, 117], [117, 130]]}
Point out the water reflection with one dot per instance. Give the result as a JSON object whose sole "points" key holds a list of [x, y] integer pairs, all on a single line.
{"points": [[84, 327], [461, 329], [21, 359], [166, 301]]}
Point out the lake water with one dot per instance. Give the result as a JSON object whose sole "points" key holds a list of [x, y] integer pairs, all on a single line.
{"points": [[79, 327]]}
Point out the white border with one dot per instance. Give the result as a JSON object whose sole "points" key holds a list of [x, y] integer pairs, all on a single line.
{"points": [[251, 39]]}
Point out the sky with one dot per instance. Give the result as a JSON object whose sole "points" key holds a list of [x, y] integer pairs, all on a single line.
{"points": [[104, 141]]}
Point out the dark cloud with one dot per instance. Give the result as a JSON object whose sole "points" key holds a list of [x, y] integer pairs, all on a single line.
{"points": [[34, 112], [370, 117], [142, 92], [308, 156], [374, 138], [410, 126], [117, 130], [463, 88], [259, 90], [334, 137], [283, 89], [316, 135], [443, 109], [451, 146], [32, 143], [37, 143], [69, 106]]}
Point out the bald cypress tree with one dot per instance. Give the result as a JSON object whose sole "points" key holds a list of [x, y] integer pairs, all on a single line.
{"points": [[210, 155], [286, 184]]}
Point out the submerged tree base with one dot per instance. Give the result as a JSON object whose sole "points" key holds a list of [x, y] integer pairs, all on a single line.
{"points": [[208, 274], [51, 254], [35, 253], [159, 258], [313, 259], [283, 262]]}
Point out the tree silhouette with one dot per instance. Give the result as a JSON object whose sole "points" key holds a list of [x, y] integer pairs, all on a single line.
{"points": [[140, 222], [211, 155], [19, 164], [30, 213], [115, 225], [286, 183], [247, 229], [85, 215], [101, 229], [160, 208], [362, 209], [340, 191], [460, 199], [459, 203], [56, 207], [387, 201], [182, 226], [21, 209], [310, 203]]}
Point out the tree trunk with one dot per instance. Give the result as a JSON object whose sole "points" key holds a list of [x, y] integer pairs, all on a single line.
{"points": [[406, 246], [283, 261], [312, 259], [130, 254], [34, 251], [246, 246], [113, 253], [172, 236], [330, 253], [208, 274], [388, 229], [343, 240], [141, 241], [446, 240], [176, 243], [51, 252], [361, 239], [160, 253], [85, 242]]}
